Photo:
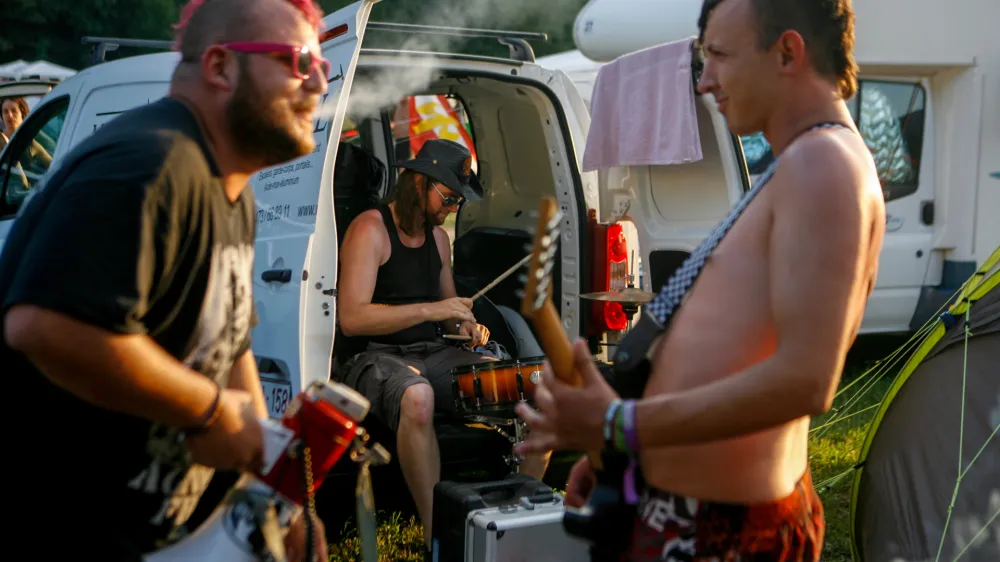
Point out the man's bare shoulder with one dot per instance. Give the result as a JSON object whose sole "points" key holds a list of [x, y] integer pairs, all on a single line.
{"points": [[443, 243], [441, 236], [367, 228], [831, 170]]}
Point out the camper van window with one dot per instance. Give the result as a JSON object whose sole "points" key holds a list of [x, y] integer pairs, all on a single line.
{"points": [[27, 159], [890, 116]]}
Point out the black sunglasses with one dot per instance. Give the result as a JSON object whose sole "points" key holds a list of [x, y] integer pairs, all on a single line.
{"points": [[449, 201]]}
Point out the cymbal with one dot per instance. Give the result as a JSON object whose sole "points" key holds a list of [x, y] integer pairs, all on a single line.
{"points": [[627, 295]]}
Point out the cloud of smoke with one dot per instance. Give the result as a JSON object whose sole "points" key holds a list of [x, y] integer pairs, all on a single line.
{"points": [[383, 88]]}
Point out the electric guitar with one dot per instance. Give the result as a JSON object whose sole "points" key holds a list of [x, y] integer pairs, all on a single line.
{"points": [[606, 521]]}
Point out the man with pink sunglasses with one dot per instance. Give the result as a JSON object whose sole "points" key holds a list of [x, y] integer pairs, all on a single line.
{"points": [[126, 290]]}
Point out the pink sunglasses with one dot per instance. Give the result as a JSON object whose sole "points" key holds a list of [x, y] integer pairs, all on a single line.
{"points": [[299, 58]]}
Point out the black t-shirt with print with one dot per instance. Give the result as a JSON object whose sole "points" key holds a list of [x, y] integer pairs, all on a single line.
{"points": [[133, 233]]}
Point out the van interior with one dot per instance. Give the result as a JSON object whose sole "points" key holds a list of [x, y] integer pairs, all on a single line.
{"points": [[517, 164]]}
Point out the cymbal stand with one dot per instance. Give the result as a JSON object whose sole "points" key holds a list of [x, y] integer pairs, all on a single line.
{"points": [[630, 308]]}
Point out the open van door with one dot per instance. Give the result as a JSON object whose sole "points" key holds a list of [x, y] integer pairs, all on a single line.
{"points": [[674, 207], [295, 256]]}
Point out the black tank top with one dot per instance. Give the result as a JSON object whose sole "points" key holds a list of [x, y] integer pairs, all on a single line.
{"points": [[411, 275]]}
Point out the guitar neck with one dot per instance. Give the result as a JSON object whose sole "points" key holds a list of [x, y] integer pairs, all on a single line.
{"points": [[559, 352]]}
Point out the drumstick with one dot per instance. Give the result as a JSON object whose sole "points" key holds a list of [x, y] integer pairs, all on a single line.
{"points": [[502, 276]]}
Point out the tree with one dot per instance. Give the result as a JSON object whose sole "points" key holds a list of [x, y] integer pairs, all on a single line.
{"points": [[52, 29]]}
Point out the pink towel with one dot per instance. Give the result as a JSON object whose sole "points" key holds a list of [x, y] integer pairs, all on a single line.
{"points": [[642, 110]]}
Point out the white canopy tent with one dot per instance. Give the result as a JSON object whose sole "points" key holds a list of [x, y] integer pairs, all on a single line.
{"points": [[40, 69]]}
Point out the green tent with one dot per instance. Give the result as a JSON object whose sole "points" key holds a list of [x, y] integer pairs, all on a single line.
{"points": [[927, 484]]}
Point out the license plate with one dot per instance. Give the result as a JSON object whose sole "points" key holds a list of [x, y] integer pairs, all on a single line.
{"points": [[277, 394]]}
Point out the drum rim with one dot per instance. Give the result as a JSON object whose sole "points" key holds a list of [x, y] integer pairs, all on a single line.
{"points": [[536, 361]]}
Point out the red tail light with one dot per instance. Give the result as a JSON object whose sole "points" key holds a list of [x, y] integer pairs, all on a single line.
{"points": [[610, 266]]}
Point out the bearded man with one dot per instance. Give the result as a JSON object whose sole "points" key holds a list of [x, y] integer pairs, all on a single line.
{"points": [[126, 289]]}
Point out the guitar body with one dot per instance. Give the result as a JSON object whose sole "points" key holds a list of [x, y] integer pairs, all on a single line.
{"points": [[607, 519]]}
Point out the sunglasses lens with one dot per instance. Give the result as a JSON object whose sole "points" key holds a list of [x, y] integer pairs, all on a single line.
{"points": [[305, 62]]}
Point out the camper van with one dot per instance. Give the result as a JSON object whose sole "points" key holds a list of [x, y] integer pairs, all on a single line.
{"points": [[526, 125], [928, 107]]}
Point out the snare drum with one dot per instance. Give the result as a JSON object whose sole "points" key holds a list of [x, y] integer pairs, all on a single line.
{"points": [[495, 386]]}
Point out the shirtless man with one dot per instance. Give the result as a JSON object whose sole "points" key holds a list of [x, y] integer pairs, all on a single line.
{"points": [[723, 423]]}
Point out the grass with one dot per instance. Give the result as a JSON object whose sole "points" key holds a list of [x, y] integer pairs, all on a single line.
{"points": [[398, 539], [834, 446], [835, 443]]}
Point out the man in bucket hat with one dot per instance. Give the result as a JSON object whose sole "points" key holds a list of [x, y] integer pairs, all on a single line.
{"points": [[396, 296]]}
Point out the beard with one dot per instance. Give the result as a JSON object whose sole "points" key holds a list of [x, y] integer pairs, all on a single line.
{"points": [[259, 130], [438, 218]]}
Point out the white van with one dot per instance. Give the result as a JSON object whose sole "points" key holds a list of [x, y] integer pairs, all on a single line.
{"points": [[528, 125], [923, 107]]}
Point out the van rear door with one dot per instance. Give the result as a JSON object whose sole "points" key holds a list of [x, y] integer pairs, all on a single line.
{"points": [[295, 262], [674, 207]]}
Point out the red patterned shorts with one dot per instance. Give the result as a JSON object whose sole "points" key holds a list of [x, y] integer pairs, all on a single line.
{"points": [[675, 528]]}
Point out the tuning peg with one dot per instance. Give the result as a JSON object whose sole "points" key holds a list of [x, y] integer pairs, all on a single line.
{"points": [[528, 248], [533, 214], [522, 278], [519, 293]]}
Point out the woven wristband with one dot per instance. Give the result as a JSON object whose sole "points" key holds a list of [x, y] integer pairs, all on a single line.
{"points": [[621, 445], [631, 431]]}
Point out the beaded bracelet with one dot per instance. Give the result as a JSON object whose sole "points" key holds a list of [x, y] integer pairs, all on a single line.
{"points": [[610, 415]]}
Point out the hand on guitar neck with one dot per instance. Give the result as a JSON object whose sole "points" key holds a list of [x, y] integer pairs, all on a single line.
{"points": [[571, 380], [579, 428], [568, 369]]}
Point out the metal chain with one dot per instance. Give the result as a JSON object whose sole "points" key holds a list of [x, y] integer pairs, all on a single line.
{"points": [[308, 473]]}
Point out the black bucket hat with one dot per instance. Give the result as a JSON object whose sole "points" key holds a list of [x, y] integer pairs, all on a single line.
{"points": [[448, 163]]}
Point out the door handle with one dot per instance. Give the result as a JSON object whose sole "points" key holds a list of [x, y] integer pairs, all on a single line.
{"points": [[272, 366], [276, 276]]}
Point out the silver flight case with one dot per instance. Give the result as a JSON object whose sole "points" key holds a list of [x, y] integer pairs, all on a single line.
{"points": [[522, 532]]}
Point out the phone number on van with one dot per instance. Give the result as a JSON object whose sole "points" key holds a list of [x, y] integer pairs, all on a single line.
{"points": [[273, 213]]}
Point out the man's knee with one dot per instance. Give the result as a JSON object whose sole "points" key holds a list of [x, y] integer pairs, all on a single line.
{"points": [[417, 405]]}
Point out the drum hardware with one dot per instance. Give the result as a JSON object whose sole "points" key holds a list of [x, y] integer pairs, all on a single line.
{"points": [[499, 425], [487, 392], [629, 298], [628, 295]]}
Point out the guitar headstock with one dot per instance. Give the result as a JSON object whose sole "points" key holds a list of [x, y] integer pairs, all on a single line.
{"points": [[536, 300], [538, 279]]}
